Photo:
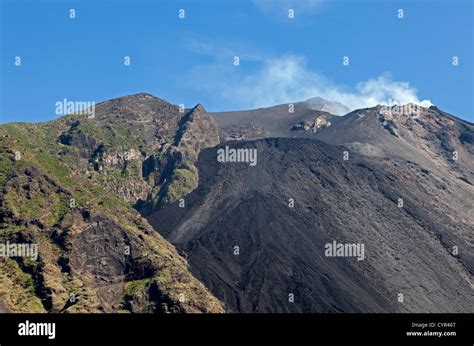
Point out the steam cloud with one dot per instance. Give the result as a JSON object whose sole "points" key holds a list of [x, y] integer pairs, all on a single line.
{"points": [[287, 79]]}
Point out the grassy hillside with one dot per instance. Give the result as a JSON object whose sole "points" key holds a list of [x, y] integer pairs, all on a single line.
{"points": [[69, 186]]}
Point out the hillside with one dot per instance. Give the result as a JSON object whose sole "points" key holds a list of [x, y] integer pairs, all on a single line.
{"points": [[70, 185]]}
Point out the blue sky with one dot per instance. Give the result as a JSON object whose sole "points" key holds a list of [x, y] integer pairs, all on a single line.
{"points": [[191, 60]]}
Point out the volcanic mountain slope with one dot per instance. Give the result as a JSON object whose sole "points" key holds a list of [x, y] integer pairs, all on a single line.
{"points": [[70, 185], [427, 136], [79, 187], [286, 120], [255, 252]]}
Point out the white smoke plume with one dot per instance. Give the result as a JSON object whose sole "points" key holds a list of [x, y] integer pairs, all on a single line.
{"points": [[287, 79]]}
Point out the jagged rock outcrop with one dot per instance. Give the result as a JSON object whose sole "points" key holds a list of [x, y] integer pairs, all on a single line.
{"points": [[141, 147], [314, 125]]}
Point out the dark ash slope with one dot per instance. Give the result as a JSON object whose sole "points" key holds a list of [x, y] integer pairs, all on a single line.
{"points": [[407, 250]]}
